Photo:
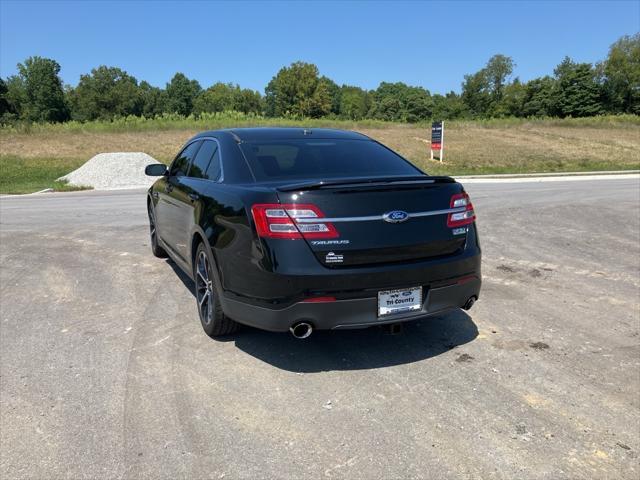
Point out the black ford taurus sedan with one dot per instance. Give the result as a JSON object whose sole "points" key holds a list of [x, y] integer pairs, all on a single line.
{"points": [[301, 229]]}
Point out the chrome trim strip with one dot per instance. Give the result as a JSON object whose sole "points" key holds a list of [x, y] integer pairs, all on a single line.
{"points": [[338, 219], [377, 217], [437, 212]]}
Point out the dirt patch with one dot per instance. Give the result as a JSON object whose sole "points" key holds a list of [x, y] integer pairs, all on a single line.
{"points": [[505, 268], [535, 273], [464, 358], [521, 429]]}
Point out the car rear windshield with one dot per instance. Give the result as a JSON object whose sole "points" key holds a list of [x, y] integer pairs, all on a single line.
{"points": [[303, 159]]}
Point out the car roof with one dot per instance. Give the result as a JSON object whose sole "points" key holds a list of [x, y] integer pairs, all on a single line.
{"points": [[282, 133]]}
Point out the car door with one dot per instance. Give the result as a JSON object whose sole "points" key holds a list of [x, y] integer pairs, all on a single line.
{"points": [[205, 169], [173, 203], [193, 186]]}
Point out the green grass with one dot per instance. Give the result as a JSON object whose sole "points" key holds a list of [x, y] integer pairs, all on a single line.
{"points": [[27, 175]]}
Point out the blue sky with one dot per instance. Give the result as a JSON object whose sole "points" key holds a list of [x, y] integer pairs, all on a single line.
{"points": [[431, 44]]}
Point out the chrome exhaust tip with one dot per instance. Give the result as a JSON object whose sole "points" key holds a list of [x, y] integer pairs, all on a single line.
{"points": [[469, 303], [301, 330]]}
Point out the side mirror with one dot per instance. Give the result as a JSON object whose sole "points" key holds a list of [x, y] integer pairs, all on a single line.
{"points": [[155, 170]]}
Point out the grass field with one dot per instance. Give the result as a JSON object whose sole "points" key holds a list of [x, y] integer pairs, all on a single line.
{"points": [[26, 175], [32, 157]]}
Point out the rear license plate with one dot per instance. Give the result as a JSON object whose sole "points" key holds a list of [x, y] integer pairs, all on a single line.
{"points": [[399, 301]]}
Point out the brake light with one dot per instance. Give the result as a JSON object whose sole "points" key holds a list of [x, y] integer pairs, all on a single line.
{"points": [[319, 300], [291, 221], [464, 217]]}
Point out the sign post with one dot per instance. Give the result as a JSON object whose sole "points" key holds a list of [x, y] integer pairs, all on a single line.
{"points": [[437, 139]]}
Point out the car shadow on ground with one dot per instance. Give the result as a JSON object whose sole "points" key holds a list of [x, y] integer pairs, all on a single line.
{"points": [[368, 348]]}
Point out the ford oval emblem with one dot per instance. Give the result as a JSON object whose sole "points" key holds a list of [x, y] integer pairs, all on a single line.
{"points": [[397, 216]]}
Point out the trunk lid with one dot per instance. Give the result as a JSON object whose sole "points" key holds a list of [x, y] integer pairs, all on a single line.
{"points": [[380, 221]]}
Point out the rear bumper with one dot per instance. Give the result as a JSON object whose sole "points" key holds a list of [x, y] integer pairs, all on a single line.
{"points": [[350, 313]]}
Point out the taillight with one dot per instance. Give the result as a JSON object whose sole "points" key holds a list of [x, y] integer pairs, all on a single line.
{"points": [[464, 217], [275, 220]]}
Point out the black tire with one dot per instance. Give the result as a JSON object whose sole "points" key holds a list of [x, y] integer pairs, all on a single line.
{"points": [[157, 250], [214, 322]]}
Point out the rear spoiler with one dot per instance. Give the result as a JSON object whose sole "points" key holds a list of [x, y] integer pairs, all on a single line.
{"points": [[364, 182]]}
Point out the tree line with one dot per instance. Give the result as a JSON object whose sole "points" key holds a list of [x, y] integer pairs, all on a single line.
{"points": [[37, 94]]}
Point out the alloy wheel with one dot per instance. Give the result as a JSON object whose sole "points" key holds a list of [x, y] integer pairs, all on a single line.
{"points": [[152, 228], [204, 288]]}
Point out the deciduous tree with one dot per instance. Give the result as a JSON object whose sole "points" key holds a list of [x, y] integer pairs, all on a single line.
{"points": [[106, 93], [448, 106], [400, 102], [222, 97], [181, 93], [482, 91], [7, 110], [497, 71], [154, 100], [219, 97], [297, 91], [621, 72], [42, 94], [354, 103], [475, 93]]}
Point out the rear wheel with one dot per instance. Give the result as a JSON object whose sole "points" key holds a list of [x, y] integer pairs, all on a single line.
{"points": [[157, 250], [214, 322]]}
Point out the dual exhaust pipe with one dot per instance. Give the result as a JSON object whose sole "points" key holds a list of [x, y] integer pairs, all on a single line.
{"points": [[302, 330]]}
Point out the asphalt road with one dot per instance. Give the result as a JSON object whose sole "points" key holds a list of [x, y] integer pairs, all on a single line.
{"points": [[106, 373]]}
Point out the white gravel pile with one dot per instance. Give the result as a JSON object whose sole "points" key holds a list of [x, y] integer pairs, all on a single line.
{"points": [[111, 171]]}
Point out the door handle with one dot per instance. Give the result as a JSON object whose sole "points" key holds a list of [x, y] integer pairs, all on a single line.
{"points": [[194, 197]]}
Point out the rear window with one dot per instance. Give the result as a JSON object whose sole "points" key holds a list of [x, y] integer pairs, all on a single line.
{"points": [[303, 159]]}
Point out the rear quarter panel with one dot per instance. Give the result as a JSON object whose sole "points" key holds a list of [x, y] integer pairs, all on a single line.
{"points": [[222, 217]]}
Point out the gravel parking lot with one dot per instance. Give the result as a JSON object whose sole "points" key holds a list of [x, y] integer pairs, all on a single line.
{"points": [[105, 371]]}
